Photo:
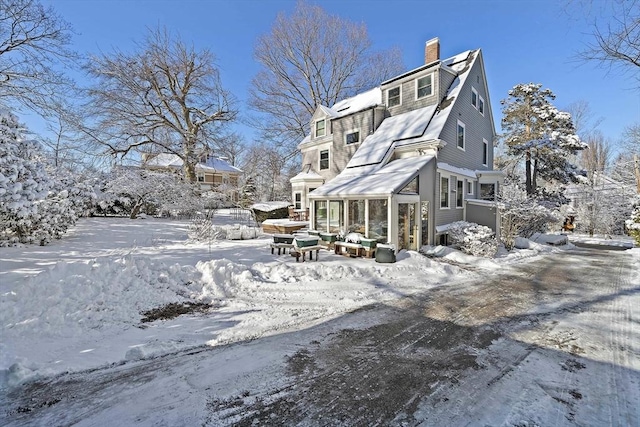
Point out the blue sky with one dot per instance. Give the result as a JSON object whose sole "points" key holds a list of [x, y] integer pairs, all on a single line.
{"points": [[522, 41]]}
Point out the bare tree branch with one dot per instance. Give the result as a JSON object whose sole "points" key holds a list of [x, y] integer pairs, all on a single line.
{"points": [[165, 97]]}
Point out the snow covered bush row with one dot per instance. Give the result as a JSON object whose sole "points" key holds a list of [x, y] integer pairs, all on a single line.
{"points": [[473, 239]]}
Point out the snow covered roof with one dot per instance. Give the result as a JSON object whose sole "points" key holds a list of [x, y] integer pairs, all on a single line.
{"points": [[327, 111], [403, 127], [308, 175], [457, 171], [385, 181], [213, 164], [359, 102]]}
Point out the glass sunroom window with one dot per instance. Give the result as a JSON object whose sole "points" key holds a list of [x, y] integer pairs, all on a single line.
{"points": [[356, 216], [320, 220], [336, 216], [378, 226]]}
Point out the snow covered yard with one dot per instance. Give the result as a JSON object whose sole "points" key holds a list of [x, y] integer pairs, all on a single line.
{"points": [[78, 304]]}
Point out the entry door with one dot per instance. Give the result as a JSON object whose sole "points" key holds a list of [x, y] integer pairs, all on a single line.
{"points": [[407, 229]]}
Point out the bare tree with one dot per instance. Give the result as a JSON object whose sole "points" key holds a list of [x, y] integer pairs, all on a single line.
{"points": [[312, 58], [617, 42], [34, 49], [596, 157], [165, 97]]}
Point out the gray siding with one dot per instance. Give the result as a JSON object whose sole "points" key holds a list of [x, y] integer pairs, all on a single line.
{"points": [[408, 92], [483, 215], [477, 127], [363, 122]]}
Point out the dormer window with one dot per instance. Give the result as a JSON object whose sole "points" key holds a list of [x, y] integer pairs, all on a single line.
{"points": [[321, 128], [393, 97], [424, 86], [352, 137]]}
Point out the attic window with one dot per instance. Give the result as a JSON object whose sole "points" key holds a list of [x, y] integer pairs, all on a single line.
{"points": [[393, 97], [320, 128], [481, 105], [474, 98], [424, 87], [352, 138]]}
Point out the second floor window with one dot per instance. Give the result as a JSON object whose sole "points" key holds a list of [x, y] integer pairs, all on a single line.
{"points": [[353, 137], [393, 96], [460, 135], [320, 128], [298, 201], [324, 159], [459, 193], [424, 87]]}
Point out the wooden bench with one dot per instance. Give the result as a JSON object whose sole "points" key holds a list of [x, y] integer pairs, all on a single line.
{"points": [[280, 247], [302, 251], [350, 249]]}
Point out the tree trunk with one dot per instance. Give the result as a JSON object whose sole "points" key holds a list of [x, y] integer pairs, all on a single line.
{"points": [[136, 210], [534, 178], [527, 166], [190, 171], [636, 170]]}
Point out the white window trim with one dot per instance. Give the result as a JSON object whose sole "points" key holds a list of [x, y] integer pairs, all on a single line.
{"points": [[315, 128], [294, 200], [470, 185], [400, 90], [448, 177], [464, 136], [481, 101], [473, 90], [350, 132], [328, 159], [485, 151], [416, 86], [458, 179]]}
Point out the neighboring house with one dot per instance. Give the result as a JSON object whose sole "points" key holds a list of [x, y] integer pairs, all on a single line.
{"points": [[211, 172], [401, 161]]}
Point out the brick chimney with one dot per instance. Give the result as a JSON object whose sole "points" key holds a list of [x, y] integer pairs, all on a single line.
{"points": [[432, 50]]}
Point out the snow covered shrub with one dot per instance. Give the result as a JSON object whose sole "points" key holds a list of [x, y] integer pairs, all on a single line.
{"points": [[473, 239], [521, 215], [201, 228], [132, 191], [633, 223]]}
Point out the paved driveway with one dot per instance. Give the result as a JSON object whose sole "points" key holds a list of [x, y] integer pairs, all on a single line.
{"points": [[555, 342]]}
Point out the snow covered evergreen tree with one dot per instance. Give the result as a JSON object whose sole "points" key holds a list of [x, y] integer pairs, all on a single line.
{"points": [[539, 133], [23, 183]]}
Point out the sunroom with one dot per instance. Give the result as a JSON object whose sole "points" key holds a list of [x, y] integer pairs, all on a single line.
{"points": [[383, 204]]}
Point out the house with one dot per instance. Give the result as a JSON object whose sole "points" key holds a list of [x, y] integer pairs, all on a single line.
{"points": [[212, 172], [400, 162]]}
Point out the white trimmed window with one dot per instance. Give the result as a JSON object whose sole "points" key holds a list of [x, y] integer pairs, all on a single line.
{"points": [[481, 105], [298, 201], [474, 97], [324, 159], [200, 177], [485, 152], [459, 193], [321, 128], [394, 97], [487, 191], [460, 137], [352, 137], [444, 192], [424, 86], [470, 188]]}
